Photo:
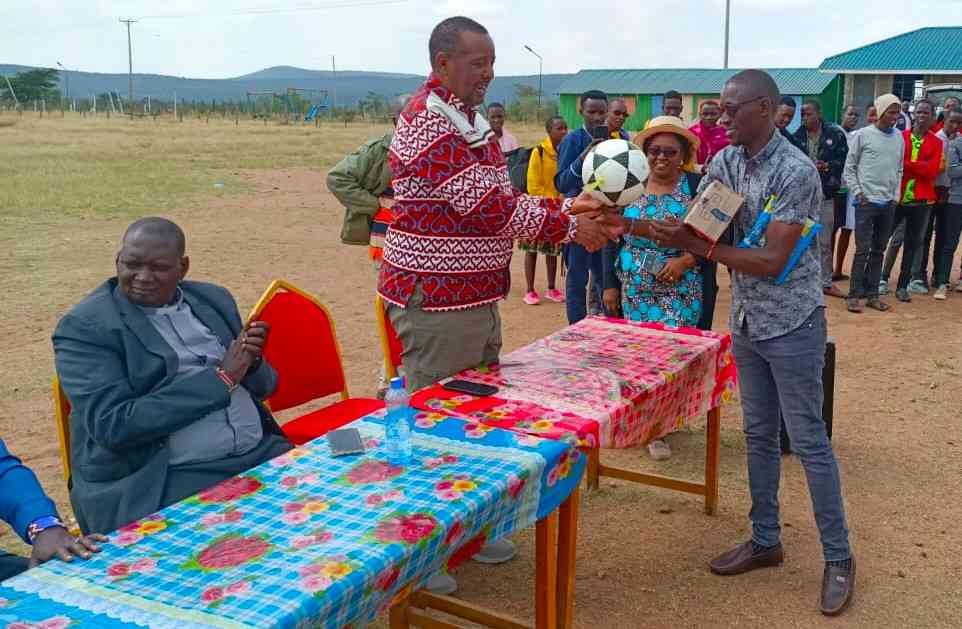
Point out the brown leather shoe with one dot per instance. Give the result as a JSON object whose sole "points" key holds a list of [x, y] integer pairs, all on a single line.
{"points": [[838, 588], [740, 559]]}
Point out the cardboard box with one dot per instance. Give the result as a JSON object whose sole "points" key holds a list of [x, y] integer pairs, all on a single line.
{"points": [[713, 210]]}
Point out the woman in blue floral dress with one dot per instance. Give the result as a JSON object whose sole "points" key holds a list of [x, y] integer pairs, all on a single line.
{"points": [[673, 294]]}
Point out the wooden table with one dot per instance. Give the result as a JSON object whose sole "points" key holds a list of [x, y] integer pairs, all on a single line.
{"points": [[555, 542], [605, 383], [308, 538]]}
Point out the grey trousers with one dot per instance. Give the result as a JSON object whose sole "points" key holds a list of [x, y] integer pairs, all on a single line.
{"points": [[183, 481], [827, 219], [436, 345]]}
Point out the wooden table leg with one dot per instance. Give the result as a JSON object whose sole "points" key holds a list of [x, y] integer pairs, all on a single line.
{"points": [[712, 453], [546, 572], [399, 615], [567, 542], [593, 466]]}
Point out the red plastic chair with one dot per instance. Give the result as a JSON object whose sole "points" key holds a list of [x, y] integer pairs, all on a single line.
{"points": [[390, 343], [302, 347]]}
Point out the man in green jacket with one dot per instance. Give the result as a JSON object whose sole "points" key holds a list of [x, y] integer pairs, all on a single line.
{"points": [[362, 183]]}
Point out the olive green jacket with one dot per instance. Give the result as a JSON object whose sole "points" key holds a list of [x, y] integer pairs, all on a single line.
{"points": [[358, 181]]}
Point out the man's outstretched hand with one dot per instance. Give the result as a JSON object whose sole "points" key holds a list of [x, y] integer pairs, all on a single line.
{"points": [[593, 233], [58, 542], [586, 204]]}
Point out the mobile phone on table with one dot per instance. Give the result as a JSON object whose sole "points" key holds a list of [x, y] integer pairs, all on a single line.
{"points": [[345, 441], [471, 388], [601, 132]]}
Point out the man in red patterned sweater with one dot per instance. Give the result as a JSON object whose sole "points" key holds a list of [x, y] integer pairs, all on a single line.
{"points": [[446, 256]]}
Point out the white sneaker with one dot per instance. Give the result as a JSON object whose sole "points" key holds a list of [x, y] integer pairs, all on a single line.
{"points": [[940, 292], [496, 552], [883, 287], [441, 583], [659, 450], [917, 287]]}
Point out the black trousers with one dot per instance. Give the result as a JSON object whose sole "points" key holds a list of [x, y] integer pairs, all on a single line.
{"points": [[873, 226], [948, 226], [916, 219], [11, 565]]}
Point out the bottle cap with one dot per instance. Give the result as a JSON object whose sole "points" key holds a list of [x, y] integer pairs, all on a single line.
{"points": [[397, 383]]}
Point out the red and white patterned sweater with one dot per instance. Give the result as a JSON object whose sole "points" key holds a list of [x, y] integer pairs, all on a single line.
{"points": [[456, 213]]}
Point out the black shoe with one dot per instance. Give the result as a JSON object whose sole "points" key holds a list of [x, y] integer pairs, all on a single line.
{"points": [[838, 588], [902, 294], [743, 559]]}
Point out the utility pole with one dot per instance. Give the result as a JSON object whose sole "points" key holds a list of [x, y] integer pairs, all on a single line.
{"points": [[130, 70], [728, 18], [66, 82], [540, 72], [333, 87], [14, 94]]}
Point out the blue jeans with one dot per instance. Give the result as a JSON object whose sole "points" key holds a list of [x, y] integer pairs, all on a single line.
{"points": [[786, 372], [579, 262]]}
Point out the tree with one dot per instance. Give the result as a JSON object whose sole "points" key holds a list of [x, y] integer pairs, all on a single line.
{"points": [[31, 85], [524, 108]]}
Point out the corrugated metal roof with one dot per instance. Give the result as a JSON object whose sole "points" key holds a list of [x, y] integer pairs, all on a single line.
{"points": [[934, 49], [800, 81]]}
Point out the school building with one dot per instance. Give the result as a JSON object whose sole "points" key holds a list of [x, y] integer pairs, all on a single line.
{"points": [[643, 90], [910, 65], [927, 61]]}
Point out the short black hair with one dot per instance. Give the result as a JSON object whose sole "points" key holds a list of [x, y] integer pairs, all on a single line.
{"points": [[955, 112], [550, 122], [495, 105], [447, 34], [592, 95], [925, 101], [761, 85], [160, 228], [671, 94], [788, 101], [814, 104]]}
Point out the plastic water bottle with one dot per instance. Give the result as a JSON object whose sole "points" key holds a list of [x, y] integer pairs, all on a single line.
{"points": [[397, 424]]}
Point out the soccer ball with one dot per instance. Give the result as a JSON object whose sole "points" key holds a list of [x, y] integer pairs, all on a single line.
{"points": [[614, 172]]}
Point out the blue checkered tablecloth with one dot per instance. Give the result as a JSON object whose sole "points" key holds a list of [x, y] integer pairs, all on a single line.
{"points": [[307, 540]]}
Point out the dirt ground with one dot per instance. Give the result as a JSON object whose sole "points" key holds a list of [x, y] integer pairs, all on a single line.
{"points": [[642, 552]]}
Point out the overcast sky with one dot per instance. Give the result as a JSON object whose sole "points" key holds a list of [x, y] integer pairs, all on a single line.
{"points": [[225, 38]]}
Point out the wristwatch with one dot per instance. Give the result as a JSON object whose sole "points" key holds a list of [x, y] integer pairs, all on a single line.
{"points": [[41, 524]]}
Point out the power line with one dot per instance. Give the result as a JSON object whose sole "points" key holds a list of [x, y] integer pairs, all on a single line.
{"points": [[305, 8]]}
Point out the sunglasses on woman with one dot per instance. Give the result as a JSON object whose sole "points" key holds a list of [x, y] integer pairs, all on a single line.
{"points": [[667, 151]]}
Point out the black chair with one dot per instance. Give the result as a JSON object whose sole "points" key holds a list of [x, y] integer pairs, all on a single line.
{"points": [[828, 404]]}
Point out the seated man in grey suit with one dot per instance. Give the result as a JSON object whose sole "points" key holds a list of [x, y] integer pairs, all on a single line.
{"points": [[165, 385]]}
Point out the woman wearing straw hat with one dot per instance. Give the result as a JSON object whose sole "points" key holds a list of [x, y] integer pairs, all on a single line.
{"points": [[643, 280]]}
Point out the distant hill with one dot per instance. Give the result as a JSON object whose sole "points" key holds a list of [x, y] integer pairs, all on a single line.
{"points": [[350, 86]]}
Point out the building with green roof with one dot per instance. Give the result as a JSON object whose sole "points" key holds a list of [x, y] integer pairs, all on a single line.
{"points": [[642, 89], [905, 65]]}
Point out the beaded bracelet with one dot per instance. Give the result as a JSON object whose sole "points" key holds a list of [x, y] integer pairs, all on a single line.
{"points": [[231, 385], [41, 524]]}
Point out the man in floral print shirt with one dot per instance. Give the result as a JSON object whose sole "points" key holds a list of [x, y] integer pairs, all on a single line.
{"points": [[778, 331]]}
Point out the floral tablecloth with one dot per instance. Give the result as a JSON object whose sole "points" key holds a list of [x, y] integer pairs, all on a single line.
{"points": [[609, 380], [306, 540]]}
